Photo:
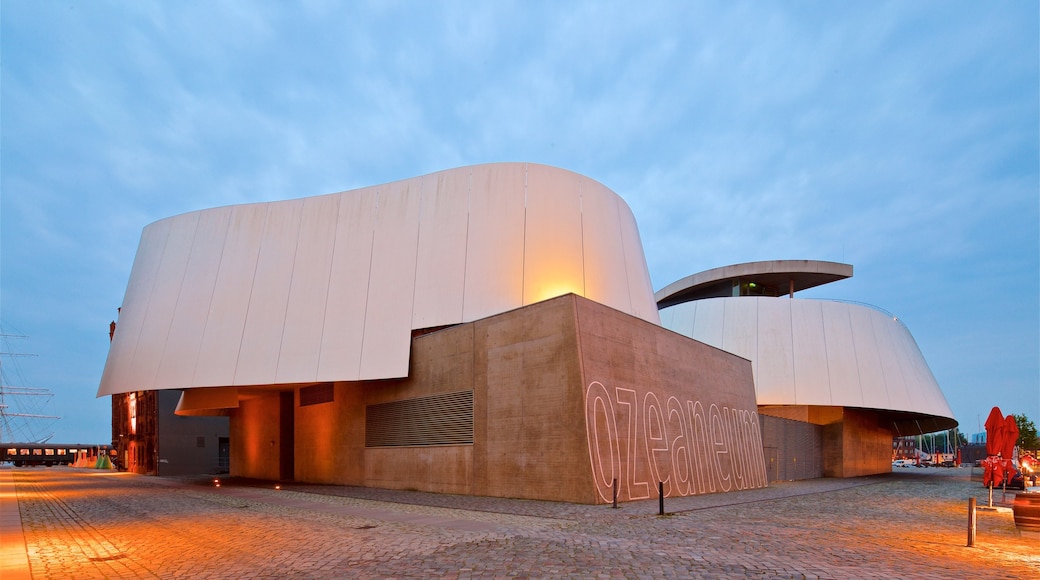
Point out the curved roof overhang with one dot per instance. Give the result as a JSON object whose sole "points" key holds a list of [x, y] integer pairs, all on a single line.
{"points": [[331, 287], [822, 353], [788, 275]]}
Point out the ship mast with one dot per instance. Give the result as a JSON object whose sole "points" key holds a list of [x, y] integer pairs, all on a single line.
{"points": [[21, 406]]}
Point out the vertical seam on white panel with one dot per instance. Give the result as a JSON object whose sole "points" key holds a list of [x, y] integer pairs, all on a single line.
{"points": [[877, 349], [418, 258], [899, 358], [581, 238], [288, 295], [523, 258], [180, 290], [328, 286], [756, 363], [794, 358], [368, 291], [209, 304], [415, 267], [855, 353], [252, 284], [624, 259], [826, 354], [148, 304], [465, 247]]}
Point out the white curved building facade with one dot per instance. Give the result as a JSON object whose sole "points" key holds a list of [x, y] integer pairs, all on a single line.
{"points": [[492, 330], [330, 288], [817, 352]]}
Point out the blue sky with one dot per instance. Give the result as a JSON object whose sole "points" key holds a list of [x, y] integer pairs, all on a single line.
{"points": [[903, 138]]}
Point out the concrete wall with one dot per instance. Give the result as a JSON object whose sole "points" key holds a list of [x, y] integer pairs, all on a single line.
{"points": [[854, 442], [256, 438], [793, 449], [568, 395]]}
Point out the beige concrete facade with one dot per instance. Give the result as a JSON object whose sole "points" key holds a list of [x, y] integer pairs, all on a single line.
{"points": [[568, 395]]}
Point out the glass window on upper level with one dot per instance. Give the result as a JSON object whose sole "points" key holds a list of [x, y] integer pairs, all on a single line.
{"points": [[747, 288]]}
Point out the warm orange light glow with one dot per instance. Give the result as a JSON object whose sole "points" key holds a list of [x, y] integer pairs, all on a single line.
{"points": [[553, 290], [131, 406]]}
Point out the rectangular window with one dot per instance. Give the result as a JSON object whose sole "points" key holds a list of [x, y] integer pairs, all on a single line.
{"points": [[316, 394], [48, 451]]}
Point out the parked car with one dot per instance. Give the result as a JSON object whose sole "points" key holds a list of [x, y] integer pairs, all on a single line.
{"points": [[1016, 481]]}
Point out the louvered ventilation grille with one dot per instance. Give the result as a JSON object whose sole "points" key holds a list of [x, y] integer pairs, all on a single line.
{"points": [[436, 420]]}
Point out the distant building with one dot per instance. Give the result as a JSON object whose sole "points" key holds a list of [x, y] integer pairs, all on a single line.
{"points": [[904, 448], [492, 330], [150, 439]]}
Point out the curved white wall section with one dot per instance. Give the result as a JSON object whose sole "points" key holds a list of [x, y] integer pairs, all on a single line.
{"points": [[328, 288], [815, 352]]}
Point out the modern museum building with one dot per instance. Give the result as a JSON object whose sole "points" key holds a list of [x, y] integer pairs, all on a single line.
{"points": [[492, 330]]}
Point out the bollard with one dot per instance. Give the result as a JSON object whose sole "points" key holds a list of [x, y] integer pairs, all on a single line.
{"points": [[660, 494], [615, 493], [971, 522]]}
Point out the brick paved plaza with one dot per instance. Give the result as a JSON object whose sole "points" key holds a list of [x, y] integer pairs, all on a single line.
{"points": [[81, 523]]}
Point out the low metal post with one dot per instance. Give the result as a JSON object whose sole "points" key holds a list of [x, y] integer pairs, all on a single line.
{"points": [[615, 492], [971, 522], [660, 495]]}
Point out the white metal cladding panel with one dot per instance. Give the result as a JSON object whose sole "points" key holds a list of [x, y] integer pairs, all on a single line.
{"points": [[708, 319], [740, 332], [384, 352], [890, 353], [846, 389], [495, 247], [606, 276], [440, 272], [181, 353], [774, 382], [251, 303], [159, 315], [812, 380], [308, 293], [344, 329], [269, 299], [640, 289], [552, 235], [681, 317], [222, 339], [117, 377], [868, 359]]}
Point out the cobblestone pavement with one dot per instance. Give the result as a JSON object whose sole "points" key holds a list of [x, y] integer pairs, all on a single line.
{"points": [[81, 523]]}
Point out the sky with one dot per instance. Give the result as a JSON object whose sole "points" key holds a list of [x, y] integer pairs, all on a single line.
{"points": [[902, 138]]}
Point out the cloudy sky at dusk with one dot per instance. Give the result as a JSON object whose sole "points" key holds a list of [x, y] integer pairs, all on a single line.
{"points": [[903, 138]]}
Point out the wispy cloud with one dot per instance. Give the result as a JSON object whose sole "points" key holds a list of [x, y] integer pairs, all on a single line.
{"points": [[899, 137]]}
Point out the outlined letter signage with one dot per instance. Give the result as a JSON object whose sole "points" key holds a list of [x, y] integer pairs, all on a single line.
{"points": [[640, 439]]}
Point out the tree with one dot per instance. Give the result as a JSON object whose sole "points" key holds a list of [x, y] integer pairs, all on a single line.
{"points": [[1027, 438], [959, 439]]}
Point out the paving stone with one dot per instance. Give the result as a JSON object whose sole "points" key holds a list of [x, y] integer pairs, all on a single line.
{"points": [[81, 523]]}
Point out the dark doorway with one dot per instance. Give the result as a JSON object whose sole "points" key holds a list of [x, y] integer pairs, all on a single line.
{"points": [[287, 429], [223, 455]]}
